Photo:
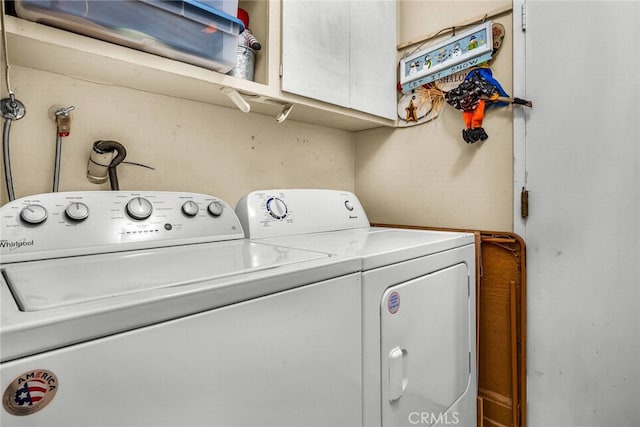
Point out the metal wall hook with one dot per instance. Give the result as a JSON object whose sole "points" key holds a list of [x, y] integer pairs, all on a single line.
{"points": [[236, 98], [282, 116], [240, 101]]}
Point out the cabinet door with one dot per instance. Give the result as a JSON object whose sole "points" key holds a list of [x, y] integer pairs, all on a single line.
{"points": [[373, 72], [341, 52], [315, 49]]}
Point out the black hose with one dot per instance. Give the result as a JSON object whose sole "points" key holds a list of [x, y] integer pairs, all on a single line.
{"points": [[108, 147], [6, 132]]}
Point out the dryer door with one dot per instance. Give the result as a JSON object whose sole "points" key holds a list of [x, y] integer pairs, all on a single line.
{"points": [[426, 348]]}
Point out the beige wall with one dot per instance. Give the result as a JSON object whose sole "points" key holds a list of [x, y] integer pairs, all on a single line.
{"points": [[426, 174], [193, 146]]}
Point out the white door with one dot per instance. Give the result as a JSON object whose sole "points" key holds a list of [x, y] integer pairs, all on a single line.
{"points": [[425, 348], [580, 159]]}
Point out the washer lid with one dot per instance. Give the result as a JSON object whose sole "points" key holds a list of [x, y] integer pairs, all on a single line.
{"points": [[78, 299], [48, 284]]}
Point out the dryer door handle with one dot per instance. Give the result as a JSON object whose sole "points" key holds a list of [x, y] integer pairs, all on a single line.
{"points": [[398, 379]]}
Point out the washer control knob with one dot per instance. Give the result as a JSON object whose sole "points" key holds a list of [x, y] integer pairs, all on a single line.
{"points": [[190, 208], [215, 208], [277, 208], [348, 205], [33, 214], [77, 211], [139, 208]]}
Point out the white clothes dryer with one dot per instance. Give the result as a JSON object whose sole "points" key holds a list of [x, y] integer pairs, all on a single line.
{"points": [[418, 306], [152, 309]]}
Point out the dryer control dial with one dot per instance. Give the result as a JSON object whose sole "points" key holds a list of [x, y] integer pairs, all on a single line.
{"points": [[33, 214], [139, 208], [277, 208], [77, 211]]}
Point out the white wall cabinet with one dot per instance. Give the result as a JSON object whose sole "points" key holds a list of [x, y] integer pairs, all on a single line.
{"points": [[341, 52], [50, 49], [315, 50]]}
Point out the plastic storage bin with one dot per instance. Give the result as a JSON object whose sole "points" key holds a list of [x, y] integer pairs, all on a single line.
{"points": [[230, 7], [190, 31]]}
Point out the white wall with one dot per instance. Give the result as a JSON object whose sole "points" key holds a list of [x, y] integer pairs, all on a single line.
{"points": [[193, 146], [428, 170]]}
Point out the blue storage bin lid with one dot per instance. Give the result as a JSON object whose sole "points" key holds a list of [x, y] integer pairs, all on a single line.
{"points": [[200, 9], [220, 13]]}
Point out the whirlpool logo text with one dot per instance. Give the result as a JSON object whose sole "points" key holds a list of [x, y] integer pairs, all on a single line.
{"points": [[16, 244]]}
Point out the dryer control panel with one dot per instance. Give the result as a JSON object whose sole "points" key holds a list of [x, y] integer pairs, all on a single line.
{"points": [[285, 212], [64, 224]]}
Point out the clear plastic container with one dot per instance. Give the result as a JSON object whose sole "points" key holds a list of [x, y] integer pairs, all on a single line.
{"points": [[190, 31]]}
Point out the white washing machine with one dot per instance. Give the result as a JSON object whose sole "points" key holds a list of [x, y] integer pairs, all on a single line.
{"points": [[152, 309], [418, 306]]}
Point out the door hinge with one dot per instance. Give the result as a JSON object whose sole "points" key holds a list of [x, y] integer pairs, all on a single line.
{"points": [[523, 16], [524, 203]]}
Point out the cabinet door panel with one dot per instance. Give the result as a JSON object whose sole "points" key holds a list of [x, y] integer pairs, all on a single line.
{"points": [[315, 50], [373, 57]]}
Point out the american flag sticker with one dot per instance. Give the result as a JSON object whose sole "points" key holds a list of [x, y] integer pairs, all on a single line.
{"points": [[30, 392]]}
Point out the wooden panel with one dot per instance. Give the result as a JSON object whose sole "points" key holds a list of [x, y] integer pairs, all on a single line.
{"points": [[495, 413], [500, 343]]}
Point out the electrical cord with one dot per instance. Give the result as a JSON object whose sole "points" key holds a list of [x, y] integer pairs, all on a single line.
{"points": [[6, 50], [139, 164], [6, 129], [11, 110]]}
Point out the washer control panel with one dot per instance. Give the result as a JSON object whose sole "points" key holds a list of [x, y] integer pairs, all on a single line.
{"points": [[62, 224], [276, 213]]}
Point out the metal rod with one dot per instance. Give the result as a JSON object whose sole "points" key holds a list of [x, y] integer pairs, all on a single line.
{"points": [[56, 169]]}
